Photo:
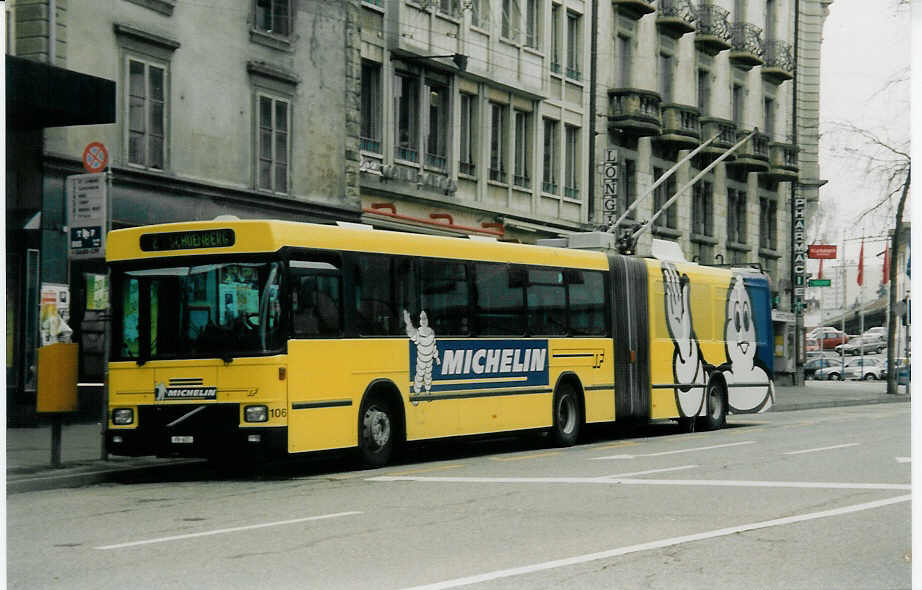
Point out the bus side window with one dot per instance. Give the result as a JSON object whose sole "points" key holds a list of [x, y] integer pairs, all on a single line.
{"points": [[444, 293], [315, 299], [375, 311], [587, 303], [547, 302], [499, 301]]}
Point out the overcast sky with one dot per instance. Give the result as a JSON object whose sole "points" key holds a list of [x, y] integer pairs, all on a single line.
{"points": [[865, 81]]}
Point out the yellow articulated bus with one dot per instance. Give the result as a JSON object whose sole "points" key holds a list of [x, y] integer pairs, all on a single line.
{"points": [[280, 338]]}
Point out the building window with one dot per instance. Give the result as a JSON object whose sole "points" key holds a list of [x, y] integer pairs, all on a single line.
{"points": [[574, 46], [147, 109], [521, 175], [512, 17], [371, 107], [769, 106], [738, 105], [450, 7], [498, 142], [555, 38], [571, 163], [437, 136], [703, 209], [666, 76], [736, 216], [274, 16], [704, 91], [480, 13], [532, 23], [468, 147], [624, 60], [669, 218], [272, 168], [768, 224], [406, 116], [629, 185], [551, 157]]}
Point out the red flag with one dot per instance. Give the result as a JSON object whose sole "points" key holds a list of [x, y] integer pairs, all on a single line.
{"points": [[821, 269], [886, 278], [861, 264]]}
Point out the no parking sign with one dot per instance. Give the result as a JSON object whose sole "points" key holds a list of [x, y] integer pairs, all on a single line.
{"points": [[95, 157]]}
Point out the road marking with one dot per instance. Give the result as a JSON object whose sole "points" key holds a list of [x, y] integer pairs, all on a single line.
{"points": [[627, 443], [904, 459], [523, 457], [660, 544], [427, 469], [222, 531], [621, 480], [649, 471], [817, 450], [736, 444]]}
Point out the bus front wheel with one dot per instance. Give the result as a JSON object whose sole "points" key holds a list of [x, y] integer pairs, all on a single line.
{"points": [[377, 428], [567, 416]]}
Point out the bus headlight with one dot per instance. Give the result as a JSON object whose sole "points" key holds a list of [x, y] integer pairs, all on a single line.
{"points": [[255, 414], [123, 416]]}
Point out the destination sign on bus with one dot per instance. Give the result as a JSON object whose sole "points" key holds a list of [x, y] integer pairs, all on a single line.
{"points": [[187, 240]]}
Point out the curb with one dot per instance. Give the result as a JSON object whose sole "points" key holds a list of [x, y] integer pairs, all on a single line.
{"points": [[889, 399]]}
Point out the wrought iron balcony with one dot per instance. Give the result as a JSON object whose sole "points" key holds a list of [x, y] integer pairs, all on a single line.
{"points": [[726, 136], [681, 126], [713, 33], [635, 112], [783, 164], [746, 50], [675, 17], [752, 156], [779, 61], [633, 8]]}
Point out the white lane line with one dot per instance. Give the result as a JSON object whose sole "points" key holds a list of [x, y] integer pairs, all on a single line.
{"points": [[580, 559], [817, 450], [649, 471], [904, 459], [692, 450], [656, 482], [222, 531]]}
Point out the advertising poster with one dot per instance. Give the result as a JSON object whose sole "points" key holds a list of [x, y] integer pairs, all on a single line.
{"points": [[55, 314]]}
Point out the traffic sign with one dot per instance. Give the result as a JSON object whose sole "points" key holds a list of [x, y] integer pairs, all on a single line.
{"points": [[86, 215], [819, 283], [95, 157], [824, 251]]}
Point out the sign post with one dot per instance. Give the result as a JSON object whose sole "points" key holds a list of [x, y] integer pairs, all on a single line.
{"points": [[87, 215]]}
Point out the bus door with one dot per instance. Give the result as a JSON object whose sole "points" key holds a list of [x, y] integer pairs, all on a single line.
{"points": [[631, 333]]}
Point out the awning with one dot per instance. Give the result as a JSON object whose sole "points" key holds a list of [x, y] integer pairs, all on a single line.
{"points": [[39, 95]]}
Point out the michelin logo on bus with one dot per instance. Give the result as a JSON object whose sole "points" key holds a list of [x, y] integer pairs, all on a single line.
{"points": [[453, 365]]}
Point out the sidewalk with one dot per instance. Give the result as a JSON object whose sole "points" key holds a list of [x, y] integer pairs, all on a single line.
{"points": [[28, 450]]}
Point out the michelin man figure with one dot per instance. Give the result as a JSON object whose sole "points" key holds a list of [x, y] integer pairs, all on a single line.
{"points": [[426, 351], [756, 392], [689, 368]]}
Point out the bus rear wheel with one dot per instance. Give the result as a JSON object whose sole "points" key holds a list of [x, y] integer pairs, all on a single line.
{"points": [[716, 416], [567, 417], [377, 429]]}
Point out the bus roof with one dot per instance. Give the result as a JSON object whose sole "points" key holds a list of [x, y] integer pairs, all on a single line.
{"points": [[197, 238]]}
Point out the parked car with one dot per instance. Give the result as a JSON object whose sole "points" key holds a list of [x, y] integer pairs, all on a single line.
{"points": [[878, 331], [866, 344], [819, 362], [828, 338], [865, 368]]}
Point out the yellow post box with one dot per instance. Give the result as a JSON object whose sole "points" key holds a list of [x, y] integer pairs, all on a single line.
{"points": [[57, 378]]}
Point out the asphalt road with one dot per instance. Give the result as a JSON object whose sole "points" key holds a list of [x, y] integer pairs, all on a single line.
{"points": [[807, 499]]}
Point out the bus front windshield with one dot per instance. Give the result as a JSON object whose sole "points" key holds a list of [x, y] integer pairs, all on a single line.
{"points": [[210, 310]]}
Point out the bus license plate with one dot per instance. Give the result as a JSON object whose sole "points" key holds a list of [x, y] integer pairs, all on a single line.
{"points": [[181, 440]]}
